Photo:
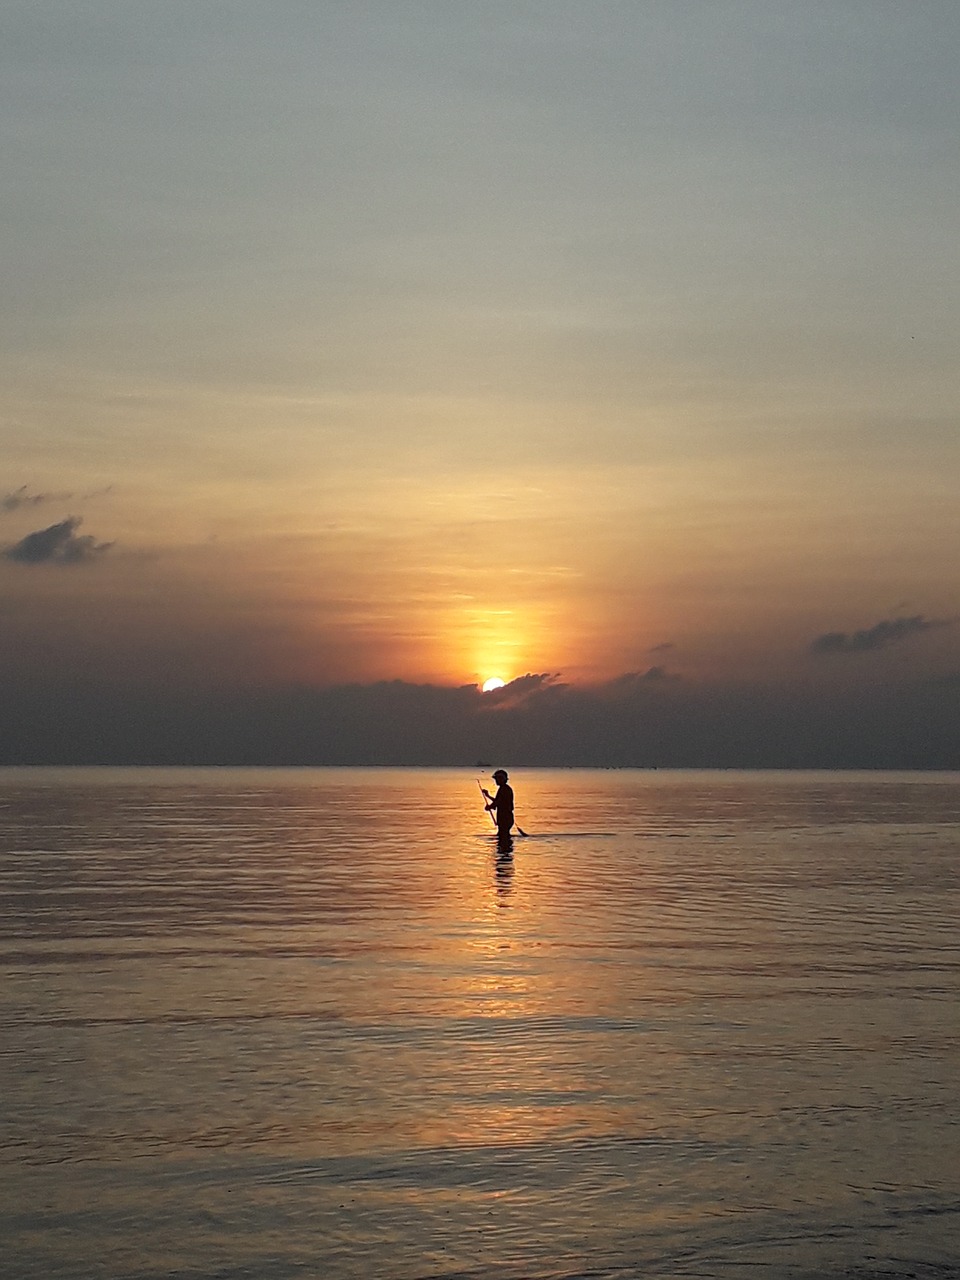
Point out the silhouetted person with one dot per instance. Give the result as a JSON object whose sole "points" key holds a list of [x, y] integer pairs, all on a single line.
{"points": [[501, 804]]}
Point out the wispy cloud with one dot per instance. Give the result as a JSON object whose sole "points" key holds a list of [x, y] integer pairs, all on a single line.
{"points": [[17, 499], [22, 497], [57, 544], [886, 632]]}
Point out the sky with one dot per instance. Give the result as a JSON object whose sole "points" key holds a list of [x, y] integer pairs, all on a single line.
{"points": [[354, 353]]}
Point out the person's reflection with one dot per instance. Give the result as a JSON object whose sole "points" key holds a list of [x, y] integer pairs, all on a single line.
{"points": [[503, 869]]}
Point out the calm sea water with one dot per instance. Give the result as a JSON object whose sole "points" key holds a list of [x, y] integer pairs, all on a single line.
{"points": [[311, 1023]]}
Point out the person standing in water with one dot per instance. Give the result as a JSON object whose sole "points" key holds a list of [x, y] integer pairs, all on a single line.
{"points": [[501, 804]]}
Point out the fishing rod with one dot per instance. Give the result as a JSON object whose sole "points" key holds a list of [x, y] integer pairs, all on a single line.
{"points": [[486, 797]]}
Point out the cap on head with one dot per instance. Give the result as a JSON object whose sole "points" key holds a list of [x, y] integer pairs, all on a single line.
{"points": [[500, 775]]}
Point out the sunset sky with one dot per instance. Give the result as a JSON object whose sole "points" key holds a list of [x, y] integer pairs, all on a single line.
{"points": [[613, 343]]}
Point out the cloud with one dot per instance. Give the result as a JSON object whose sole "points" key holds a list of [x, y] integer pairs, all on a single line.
{"points": [[632, 679], [886, 632], [22, 497], [656, 673], [521, 690], [57, 544], [74, 714], [665, 647], [949, 681]]}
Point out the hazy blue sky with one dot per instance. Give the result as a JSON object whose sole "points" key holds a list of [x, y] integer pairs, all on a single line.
{"points": [[350, 342]]}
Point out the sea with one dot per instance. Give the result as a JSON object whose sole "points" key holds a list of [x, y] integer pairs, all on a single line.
{"points": [[263, 1024]]}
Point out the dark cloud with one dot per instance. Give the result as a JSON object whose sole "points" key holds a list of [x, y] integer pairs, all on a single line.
{"points": [[634, 679], [82, 717], [520, 690], [656, 673], [665, 647], [57, 544], [949, 681], [888, 631]]}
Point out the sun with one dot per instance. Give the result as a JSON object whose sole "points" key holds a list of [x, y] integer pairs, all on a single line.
{"points": [[493, 683]]}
